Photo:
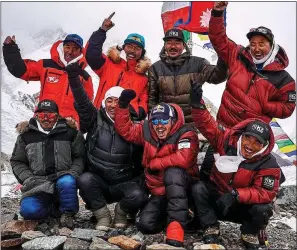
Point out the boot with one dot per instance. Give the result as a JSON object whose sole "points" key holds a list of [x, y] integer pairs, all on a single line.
{"points": [[211, 235], [250, 241], [175, 234], [66, 220], [120, 217], [103, 218]]}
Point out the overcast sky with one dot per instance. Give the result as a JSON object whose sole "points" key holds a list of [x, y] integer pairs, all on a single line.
{"points": [[23, 18]]}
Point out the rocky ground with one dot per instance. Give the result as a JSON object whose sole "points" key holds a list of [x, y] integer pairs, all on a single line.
{"points": [[50, 236]]}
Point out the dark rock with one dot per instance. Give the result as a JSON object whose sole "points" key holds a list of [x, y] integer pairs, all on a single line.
{"points": [[11, 242], [74, 244], [86, 234]]}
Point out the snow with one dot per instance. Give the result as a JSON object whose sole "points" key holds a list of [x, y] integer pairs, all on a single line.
{"points": [[290, 174]]}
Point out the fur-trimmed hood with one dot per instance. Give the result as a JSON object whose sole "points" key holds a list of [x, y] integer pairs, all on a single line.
{"points": [[24, 126], [114, 54]]}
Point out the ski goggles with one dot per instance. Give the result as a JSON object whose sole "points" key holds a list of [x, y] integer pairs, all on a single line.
{"points": [[262, 30], [160, 121], [50, 116]]}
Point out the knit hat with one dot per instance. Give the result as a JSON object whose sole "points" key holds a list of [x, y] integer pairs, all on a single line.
{"points": [[174, 33], [258, 129], [112, 92], [75, 39], [162, 111], [47, 105], [263, 31], [135, 39]]}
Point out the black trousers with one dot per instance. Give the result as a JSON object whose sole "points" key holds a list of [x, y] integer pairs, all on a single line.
{"points": [[96, 193], [253, 217], [173, 206]]}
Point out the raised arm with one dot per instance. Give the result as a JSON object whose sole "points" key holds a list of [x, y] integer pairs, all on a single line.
{"points": [[27, 70], [203, 120], [94, 55], [226, 49], [86, 110], [132, 132]]}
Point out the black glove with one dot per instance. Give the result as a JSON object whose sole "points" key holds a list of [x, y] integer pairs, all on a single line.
{"points": [[196, 95], [126, 97], [74, 69], [226, 201], [137, 117]]}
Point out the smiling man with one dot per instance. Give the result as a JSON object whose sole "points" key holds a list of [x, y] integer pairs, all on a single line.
{"points": [[170, 77], [113, 174], [258, 85], [169, 160], [47, 160], [51, 72], [245, 177]]}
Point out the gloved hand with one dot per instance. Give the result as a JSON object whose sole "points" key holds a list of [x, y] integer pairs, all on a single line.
{"points": [[226, 201], [74, 69], [126, 97], [9, 40], [196, 95]]}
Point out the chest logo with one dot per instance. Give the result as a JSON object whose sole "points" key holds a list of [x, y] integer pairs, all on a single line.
{"points": [[52, 79]]}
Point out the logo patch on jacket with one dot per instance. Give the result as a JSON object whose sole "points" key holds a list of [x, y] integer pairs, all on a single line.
{"points": [[52, 79], [292, 96], [268, 182], [184, 143]]}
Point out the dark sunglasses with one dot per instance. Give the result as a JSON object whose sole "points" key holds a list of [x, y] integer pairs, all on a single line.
{"points": [[50, 116], [160, 121]]}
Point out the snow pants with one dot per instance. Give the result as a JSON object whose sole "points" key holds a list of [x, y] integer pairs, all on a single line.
{"points": [[96, 193], [173, 206], [41, 205], [252, 217]]}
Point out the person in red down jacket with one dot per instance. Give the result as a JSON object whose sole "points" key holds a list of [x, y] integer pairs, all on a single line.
{"points": [[51, 72], [244, 179], [169, 159], [115, 71], [258, 85]]}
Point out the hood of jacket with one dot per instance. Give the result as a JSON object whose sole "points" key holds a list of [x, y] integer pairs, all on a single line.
{"points": [[56, 55], [233, 135]]}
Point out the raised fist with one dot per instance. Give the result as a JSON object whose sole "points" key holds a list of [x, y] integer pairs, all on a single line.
{"points": [[220, 6], [107, 23], [9, 40]]}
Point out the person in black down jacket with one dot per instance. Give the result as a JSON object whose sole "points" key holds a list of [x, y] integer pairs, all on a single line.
{"points": [[46, 160], [112, 176]]}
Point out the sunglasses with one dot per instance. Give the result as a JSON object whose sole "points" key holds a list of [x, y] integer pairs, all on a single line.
{"points": [[160, 121], [262, 30], [50, 116]]}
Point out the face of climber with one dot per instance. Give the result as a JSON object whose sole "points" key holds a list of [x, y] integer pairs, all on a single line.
{"points": [[110, 105], [174, 47], [133, 51], [260, 46], [47, 119], [162, 127], [250, 145], [71, 51]]}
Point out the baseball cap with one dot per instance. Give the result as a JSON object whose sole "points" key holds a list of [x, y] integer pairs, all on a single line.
{"points": [[47, 105], [75, 39], [263, 31], [174, 33], [162, 111], [135, 39], [258, 129]]}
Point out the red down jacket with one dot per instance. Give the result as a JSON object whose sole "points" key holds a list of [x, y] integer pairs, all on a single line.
{"points": [[54, 81], [251, 174], [248, 93], [164, 156]]}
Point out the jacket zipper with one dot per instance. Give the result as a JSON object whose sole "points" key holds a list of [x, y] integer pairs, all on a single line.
{"points": [[44, 81], [252, 81], [67, 89], [119, 78], [174, 79]]}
